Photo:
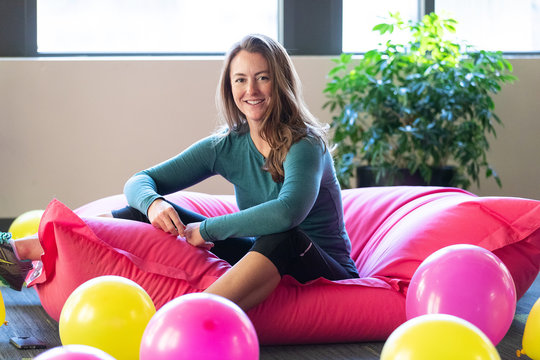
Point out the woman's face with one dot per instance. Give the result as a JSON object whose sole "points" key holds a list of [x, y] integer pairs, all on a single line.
{"points": [[251, 84]]}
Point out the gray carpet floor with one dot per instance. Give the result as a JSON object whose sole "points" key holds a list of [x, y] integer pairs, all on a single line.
{"points": [[26, 317]]}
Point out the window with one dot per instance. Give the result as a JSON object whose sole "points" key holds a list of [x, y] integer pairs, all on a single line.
{"points": [[506, 25], [150, 26], [512, 26], [306, 27], [359, 18]]}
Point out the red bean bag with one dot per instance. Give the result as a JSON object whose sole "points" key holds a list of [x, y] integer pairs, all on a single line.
{"points": [[392, 230]]}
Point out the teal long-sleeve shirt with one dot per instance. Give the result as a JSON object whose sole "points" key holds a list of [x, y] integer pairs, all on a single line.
{"points": [[309, 197]]}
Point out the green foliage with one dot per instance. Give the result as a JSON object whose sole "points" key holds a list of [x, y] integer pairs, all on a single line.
{"points": [[420, 104]]}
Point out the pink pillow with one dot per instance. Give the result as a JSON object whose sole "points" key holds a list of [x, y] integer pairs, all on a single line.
{"points": [[396, 228], [76, 250], [392, 230]]}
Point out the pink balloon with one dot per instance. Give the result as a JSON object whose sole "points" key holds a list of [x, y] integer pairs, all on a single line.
{"points": [[74, 352], [200, 326], [466, 281]]}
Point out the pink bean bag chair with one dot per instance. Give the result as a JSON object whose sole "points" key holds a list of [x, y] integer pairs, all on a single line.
{"points": [[392, 230]]}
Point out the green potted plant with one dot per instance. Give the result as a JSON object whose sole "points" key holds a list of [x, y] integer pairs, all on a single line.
{"points": [[416, 107]]}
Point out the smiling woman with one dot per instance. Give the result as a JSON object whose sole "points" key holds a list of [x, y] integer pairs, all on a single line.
{"points": [[274, 153]]}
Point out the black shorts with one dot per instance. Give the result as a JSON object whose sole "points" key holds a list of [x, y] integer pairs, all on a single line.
{"points": [[292, 251]]}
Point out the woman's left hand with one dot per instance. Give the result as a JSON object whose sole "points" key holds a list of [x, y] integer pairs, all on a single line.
{"points": [[193, 236]]}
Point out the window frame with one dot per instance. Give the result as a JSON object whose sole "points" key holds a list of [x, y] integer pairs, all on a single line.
{"points": [[321, 35], [18, 28]]}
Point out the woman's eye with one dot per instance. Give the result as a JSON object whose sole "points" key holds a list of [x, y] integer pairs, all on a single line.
{"points": [[239, 80], [264, 78]]}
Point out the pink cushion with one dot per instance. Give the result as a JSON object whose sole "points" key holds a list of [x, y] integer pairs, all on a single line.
{"points": [[392, 230], [396, 228]]}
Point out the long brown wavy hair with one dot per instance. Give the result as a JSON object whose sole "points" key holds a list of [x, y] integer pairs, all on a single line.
{"points": [[287, 119]]}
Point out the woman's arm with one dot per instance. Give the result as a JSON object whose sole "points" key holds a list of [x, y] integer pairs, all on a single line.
{"points": [[303, 167]]}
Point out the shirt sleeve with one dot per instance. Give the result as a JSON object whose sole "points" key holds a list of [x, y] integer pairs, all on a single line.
{"points": [[303, 168], [191, 166]]}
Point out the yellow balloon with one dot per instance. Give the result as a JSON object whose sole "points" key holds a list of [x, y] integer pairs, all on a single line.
{"points": [[109, 313], [438, 336], [2, 310], [531, 335], [26, 224]]}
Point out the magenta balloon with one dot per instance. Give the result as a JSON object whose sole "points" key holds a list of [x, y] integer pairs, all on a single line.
{"points": [[200, 326], [466, 281], [74, 352]]}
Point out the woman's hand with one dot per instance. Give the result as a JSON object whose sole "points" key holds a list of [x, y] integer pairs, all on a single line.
{"points": [[193, 236], [163, 216]]}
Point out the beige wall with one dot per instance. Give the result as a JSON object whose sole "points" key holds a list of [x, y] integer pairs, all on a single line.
{"points": [[76, 129]]}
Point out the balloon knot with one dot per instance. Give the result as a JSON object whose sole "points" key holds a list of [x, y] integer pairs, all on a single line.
{"points": [[518, 353]]}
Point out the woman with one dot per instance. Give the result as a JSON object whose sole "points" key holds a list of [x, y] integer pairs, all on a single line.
{"points": [[275, 154]]}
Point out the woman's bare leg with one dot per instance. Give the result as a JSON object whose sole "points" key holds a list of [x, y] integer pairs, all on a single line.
{"points": [[28, 248], [248, 282]]}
